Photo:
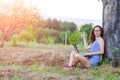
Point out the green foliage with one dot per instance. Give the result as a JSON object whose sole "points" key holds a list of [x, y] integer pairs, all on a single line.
{"points": [[43, 33], [35, 66], [95, 72], [15, 78], [52, 24], [75, 38], [104, 61], [48, 40], [96, 78], [72, 27], [28, 35], [65, 26], [63, 34], [115, 50], [53, 32], [111, 77], [86, 28], [60, 26], [115, 61], [14, 40], [20, 17], [47, 33]]}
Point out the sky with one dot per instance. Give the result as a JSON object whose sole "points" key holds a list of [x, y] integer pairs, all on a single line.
{"points": [[82, 9], [78, 11]]}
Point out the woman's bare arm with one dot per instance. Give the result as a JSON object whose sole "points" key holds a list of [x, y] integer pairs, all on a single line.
{"points": [[85, 42], [101, 44]]}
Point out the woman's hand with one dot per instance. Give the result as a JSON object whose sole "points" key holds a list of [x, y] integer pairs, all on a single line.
{"points": [[85, 42], [86, 54], [83, 36]]}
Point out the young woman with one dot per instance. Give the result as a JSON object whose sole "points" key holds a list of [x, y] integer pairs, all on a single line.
{"points": [[96, 50]]}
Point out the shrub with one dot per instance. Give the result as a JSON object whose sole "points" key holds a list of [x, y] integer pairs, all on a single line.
{"points": [[28, 35], [48, 40]]}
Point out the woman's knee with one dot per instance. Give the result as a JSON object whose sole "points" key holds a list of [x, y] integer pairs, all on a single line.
{"points": [[82, 60], [77, 55], [76, 58], [72, 53]]}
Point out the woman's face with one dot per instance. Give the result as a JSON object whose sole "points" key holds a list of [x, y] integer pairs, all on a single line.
{"points": [[97, 32]]}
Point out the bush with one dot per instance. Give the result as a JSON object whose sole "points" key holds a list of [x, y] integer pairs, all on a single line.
{"points": [[48, 40], [75, 38], [45, 33], [86, 28], [13, 41], [28, 35], [62, 36]]}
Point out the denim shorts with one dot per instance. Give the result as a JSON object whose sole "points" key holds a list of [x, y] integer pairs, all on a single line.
{"points": [[94, 60]]}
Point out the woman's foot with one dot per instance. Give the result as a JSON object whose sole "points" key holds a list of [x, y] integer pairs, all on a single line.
{"points": [[68, 67]]}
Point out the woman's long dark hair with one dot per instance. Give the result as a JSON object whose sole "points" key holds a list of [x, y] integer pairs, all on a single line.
{"points": [[92, 35]]}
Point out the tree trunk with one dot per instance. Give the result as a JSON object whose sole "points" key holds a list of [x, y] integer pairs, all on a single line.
{"points": [[4, 36], [111, 25], [2, 43]]}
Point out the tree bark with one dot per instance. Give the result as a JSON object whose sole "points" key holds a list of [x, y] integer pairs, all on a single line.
{"points": [[111, 25], [2, 43], [4, 36]]}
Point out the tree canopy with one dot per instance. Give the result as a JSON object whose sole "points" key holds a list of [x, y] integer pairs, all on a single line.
{"points": [[15, 15]]}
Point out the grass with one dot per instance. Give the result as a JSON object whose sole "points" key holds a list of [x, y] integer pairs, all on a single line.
{"points": [[39, 71], [104, 72]]}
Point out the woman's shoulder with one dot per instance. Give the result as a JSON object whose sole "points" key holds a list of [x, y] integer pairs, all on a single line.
{"points": [[101, 39]]}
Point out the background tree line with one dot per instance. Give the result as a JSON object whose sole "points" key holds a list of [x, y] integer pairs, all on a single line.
{"points": [[20, 23], [51, 31]]}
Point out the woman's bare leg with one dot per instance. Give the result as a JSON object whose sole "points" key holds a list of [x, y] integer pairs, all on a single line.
{"points": [[82, 60], [75, 62], [76, 58], [72, 55]]}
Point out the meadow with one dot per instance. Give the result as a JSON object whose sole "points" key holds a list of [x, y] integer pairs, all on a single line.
{"points": [[45, 62]]}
